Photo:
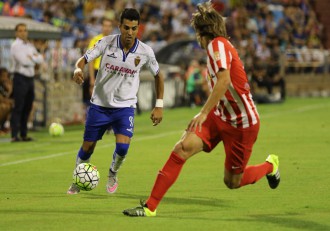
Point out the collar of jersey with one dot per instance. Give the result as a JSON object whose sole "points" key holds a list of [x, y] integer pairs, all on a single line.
{"points": [[21, 41], [133, 48]]}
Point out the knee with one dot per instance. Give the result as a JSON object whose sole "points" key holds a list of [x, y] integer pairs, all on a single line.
{"points": [[182, 150], [122, 149], [231, 184], [88, 147]]}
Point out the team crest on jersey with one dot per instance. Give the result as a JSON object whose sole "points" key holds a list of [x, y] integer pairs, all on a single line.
{"points": [[217, 55], [137, 60], [247, 86]]}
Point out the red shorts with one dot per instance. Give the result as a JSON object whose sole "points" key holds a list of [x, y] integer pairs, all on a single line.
{"points": [[238, 142]]}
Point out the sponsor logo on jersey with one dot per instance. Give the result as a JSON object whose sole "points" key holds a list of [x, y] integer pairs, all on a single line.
{"points": [[137, 60], [111, 67]]}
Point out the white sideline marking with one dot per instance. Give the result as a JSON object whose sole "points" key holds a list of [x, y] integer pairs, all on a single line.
{"points": [[98, 147], [301, 109]]}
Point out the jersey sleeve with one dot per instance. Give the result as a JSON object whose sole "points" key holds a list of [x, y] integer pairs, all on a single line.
{"points": [[219, 55], [95, 51], [152, 63]]}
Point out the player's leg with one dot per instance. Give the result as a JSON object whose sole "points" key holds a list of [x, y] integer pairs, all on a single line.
{"points": [[123, 127], [189, 145], [253, 173], [95, 126], [119, 156], [238, 147], [83, 156], [85, 152]]}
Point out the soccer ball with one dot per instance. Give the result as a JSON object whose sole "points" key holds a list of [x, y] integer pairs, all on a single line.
{"points": [[56, 129], [86, 176]]}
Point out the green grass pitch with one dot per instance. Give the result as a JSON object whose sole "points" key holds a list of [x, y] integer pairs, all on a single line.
{"points": [[35, 176]]}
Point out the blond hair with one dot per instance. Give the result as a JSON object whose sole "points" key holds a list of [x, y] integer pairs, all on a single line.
{"points": [[208, 22]]}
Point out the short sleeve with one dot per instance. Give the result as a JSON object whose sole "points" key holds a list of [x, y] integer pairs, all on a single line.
{"points": [[96, 51], [152, 63]]}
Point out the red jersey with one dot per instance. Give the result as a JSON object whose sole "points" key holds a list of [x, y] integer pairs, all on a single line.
{"points": [[236, 107]]}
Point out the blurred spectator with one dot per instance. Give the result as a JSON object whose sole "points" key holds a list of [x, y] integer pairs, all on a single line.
{"points": [[299, 37], [58, 59], [24, 57], [290, 23], [42, 69], [267, 76], [6, 103], [313, 54], [195, 87], [263, 52], [47, 17], [76, 52], [93, 66], [155, 41], [152, 26], [18, 9]]}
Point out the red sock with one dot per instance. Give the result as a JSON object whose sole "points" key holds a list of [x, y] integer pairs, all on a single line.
{"points": [[165, 178], [254, 173]]}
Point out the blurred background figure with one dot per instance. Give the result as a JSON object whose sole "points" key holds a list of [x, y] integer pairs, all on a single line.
{"points": [[267, 76], [195, 83], [6, 103], [24, 58]]}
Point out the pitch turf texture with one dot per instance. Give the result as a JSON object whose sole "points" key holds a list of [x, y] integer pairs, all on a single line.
{"points": [[36, 175]]}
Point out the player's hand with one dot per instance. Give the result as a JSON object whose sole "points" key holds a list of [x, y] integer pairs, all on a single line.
{"points": [[197, 122], [78, 76], [156, 115]]}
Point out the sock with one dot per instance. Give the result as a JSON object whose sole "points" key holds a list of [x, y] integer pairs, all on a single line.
{"points": [[116, 163], [165, 179], [118, 157], [255, 172], [82, 157]]}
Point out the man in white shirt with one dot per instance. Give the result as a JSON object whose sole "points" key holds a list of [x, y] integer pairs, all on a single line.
{"points": [[24, 58], [114, 95]]}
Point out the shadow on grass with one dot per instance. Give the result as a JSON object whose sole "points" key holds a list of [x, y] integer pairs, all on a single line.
{"points": [[202, 201], [288, 221]]}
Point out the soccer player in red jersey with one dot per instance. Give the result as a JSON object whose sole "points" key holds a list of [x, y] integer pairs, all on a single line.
{"points": [[229, 115]]}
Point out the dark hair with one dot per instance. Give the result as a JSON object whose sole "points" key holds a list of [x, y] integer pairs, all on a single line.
{"points": [[130, 14], [18, 25]]}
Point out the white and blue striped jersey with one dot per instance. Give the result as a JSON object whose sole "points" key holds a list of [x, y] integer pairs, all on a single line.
{"points": [[117, 81]]}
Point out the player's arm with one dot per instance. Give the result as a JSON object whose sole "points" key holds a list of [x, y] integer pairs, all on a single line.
{"points": [[157, 112], [91, 72], [78, 75], [219, 90]]}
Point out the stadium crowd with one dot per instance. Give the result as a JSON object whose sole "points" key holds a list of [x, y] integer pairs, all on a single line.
{"points": [[261, 30], [260, 27]]}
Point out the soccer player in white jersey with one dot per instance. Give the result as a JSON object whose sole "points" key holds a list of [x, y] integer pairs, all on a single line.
{"points": [[229, 115], [114, 95]]}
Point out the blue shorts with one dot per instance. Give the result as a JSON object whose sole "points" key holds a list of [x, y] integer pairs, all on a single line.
{"points": [[99, 119]]}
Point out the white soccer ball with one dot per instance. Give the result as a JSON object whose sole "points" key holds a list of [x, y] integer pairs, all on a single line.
{"points": [[86, 176], [56, 129]]}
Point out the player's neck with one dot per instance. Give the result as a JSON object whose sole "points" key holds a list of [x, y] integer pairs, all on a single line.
{"points": [[127, 47]]}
